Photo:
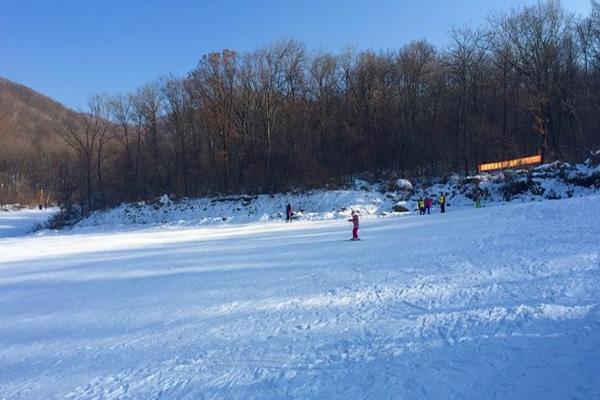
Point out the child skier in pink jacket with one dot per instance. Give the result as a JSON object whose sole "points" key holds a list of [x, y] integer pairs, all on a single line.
{"points": [[354, 221]]}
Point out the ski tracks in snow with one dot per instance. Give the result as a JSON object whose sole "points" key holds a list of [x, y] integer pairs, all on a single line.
{"points": [[427, 307]]}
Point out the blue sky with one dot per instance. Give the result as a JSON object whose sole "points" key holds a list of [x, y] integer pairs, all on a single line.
{"points": [[71, 49]]}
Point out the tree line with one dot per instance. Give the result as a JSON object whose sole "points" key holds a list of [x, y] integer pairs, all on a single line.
{"points": [[525, 82]]}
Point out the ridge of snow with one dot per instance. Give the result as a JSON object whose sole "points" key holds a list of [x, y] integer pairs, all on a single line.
{"points": [[549, 181]]}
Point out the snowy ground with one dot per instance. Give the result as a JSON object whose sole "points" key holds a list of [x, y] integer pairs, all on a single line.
{"points": [[18, 223], [500, 302]]}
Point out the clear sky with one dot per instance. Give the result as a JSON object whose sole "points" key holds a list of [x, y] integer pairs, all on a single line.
{"points": [[71, 49]]}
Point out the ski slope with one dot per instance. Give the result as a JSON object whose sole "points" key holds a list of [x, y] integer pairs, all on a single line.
{"points": [[19, 223], [495, 303]]}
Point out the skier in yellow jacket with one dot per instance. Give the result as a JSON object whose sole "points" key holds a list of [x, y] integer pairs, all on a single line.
{"points": [[442, 201]]}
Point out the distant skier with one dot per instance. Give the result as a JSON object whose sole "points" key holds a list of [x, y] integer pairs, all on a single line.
{"points": [[289, 213], [428, 204], [442, 201], [354, 221], [477, 200], [421, 205]]}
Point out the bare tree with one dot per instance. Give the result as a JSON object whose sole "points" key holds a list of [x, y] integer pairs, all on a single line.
{"points": [[534, 36], [177, 105], [147, 108], [270, 84], [85, 138], [465, 59]]}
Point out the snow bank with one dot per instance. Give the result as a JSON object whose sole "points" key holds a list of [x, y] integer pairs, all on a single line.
{"points": [[557, 180], [312, 205], [550, 181]]}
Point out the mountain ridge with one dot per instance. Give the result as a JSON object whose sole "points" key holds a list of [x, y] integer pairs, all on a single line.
{"points": [[25, 112]]}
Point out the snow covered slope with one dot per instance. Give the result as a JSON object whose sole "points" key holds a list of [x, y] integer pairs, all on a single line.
{"points": [[311, 205], [550, 181], [18, 223], [493, 303]]}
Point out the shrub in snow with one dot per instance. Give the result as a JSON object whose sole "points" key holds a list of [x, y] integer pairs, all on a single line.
{"points": [[585, 180], [359, 184], [400, 207], [471, 180], [518, 185], [164, 200], [594, 160], [553, 170], [65, 217]]}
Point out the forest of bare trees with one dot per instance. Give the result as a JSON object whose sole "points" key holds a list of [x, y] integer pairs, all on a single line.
{"points": [[280, 117]]}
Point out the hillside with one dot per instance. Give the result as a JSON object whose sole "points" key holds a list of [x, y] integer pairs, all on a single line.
{"points": [[29, 115], [30, 145]]}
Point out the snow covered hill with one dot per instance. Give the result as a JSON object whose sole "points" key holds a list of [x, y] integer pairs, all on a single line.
{"points": [[310, 206], [491, 303], [550, 181]]}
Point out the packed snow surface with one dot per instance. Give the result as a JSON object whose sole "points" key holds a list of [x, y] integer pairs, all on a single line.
{"points": [[18, 223], [492, 303]]}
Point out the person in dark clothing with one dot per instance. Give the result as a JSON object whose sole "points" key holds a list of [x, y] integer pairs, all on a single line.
{"points": [[421, 204], [354, 221], [289, 213], [477, 199], [442, 201], [428, 204]]}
